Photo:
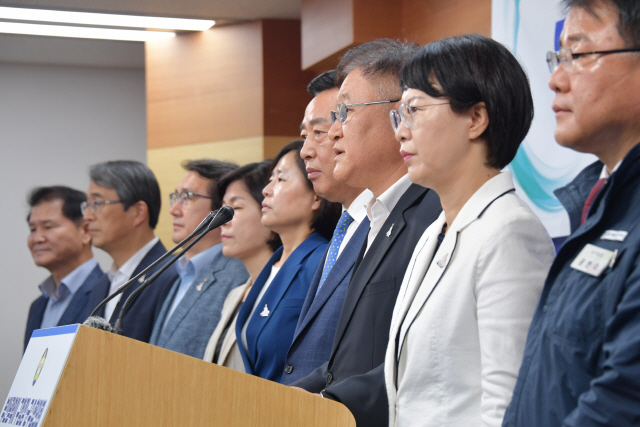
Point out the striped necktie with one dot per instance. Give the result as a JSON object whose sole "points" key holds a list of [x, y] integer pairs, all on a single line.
{"points": [[336, 241]]}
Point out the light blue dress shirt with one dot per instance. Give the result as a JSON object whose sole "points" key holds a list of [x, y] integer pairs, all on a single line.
{"points": [[188, 272], [66, 290]]}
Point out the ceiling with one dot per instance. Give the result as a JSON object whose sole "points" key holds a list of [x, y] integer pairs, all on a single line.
{"points": [[203, 9], [107, 53]]}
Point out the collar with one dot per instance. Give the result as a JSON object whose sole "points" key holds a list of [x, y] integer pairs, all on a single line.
{"points": [[129, 267], [197, 263], [388, 200], [605, 174], [358, 208], [72, 281]]}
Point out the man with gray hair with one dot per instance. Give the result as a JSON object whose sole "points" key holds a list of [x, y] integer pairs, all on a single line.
{"points": [[368, 156], [122, 209]]}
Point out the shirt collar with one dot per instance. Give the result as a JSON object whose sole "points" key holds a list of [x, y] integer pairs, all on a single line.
{"points": [[605, 173], [390, 197], [198, 262], [358, 208], [70, 283], [129, 267]]}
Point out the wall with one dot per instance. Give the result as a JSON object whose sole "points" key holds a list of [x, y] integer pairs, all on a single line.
{"points": [[59, 113]]}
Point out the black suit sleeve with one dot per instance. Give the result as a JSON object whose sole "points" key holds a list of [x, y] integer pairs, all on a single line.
{"points": [[315, 381], [366, 397]]}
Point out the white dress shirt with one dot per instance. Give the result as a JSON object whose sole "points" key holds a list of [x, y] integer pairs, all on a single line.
{"points": [[118, 276], [379, 209]]}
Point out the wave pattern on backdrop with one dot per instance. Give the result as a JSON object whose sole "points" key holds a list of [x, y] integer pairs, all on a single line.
{"points": [[530, 28]]}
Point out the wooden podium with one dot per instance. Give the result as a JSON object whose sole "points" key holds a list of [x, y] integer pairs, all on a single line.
{"points": [[110, 380]]}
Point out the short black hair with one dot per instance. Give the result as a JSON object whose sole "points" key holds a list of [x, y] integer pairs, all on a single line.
{"points": [[213, 170], [254, 176], [628, 16], [133, 181], [327, 216], [470, 69], [71, 200], [324, 81], [378, 59]]}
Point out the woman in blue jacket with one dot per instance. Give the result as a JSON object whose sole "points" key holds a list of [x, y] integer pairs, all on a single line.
{"points": [[305, 222]]}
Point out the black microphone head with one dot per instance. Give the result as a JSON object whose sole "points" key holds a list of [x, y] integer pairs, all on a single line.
{"points": [[222, 216], [98, 322]]}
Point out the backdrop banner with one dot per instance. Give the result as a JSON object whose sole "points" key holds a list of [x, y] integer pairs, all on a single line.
{"points": [[530, 28]]}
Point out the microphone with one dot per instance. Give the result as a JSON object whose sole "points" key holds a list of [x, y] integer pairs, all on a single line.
{"points": [[221, 217], [199, 229], [98, 322]]}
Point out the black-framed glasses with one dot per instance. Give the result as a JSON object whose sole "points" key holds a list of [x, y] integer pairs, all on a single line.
{"points": [[566, 57], [184, 198], [404, 114], [341, 111], [94, 205]]}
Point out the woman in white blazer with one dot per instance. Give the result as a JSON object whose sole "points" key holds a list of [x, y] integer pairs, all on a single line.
{"points": [[461, 318]]}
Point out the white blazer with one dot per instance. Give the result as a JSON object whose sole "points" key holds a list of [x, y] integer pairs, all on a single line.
{"points": [[460, 322]]}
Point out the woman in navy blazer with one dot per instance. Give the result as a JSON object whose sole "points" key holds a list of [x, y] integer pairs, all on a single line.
{"points": [[304, 221]]}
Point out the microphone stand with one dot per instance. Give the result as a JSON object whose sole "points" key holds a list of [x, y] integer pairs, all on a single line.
{"points": [[225, 213], [199, 229]]}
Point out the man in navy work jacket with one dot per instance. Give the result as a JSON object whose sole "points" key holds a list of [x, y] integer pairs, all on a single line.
{"points": [[58, 241], [313, 338], [581, 364]]}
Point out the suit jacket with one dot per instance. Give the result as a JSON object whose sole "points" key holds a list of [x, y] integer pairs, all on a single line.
{"points": [[354, 373], [225, 358], [138, 321], [316, 328], [196, 316], [73, 313], [461, 318], [269, 337]]}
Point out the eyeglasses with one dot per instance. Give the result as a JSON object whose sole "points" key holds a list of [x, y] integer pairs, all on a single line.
{"points": [[566, 57], [404, 114], [341, 112], [184, 198], [94, 205]]}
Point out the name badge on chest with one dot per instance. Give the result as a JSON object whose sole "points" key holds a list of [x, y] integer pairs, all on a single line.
{"points": [[592, 260]]}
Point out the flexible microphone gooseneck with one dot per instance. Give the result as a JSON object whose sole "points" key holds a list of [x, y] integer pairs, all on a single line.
{"points": [[222, 216], [199, 229]]}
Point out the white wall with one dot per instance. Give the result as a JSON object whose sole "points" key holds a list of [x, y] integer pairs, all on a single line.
{"points": [[64, 105]]}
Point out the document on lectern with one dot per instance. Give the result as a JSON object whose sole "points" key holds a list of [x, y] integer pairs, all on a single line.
{"points": [[38, 375]]}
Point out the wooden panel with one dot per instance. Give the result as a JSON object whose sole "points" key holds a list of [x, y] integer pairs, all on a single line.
{"points": [[165, 164], [111, 380], [285, 84], [427, 20], [374, 19], [327, 28], [273, 144], [205, 86]]}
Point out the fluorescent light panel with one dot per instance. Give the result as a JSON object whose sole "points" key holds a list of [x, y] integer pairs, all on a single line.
{"points": [[82, 32], [104, 19]]}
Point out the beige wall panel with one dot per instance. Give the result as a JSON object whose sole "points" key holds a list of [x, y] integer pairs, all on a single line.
{"points": [[327, 28], [427, 20], [165, 164], [273, 144], [205, 86]]}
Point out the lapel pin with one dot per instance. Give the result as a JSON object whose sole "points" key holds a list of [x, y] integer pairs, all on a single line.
{"points": [[390, 228], [265, 312], [141, 279], [199, 287], [442, 261]]}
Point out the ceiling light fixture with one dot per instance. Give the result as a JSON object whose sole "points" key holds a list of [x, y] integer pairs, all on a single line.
{"points": [[104, 19], [83, 32]]}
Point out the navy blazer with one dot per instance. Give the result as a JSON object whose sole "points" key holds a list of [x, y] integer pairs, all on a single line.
{"points": [[313, 338], [139, 320], [73, 313], [191, 324], [269, 337]]}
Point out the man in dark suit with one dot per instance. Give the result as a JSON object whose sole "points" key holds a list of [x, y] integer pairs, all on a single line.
{"points": [[367, 155], [192, 310], [122, 209], [58, 241], [313, 338]]}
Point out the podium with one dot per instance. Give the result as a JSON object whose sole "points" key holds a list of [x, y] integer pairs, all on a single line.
{"points": [[110, 380]]}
